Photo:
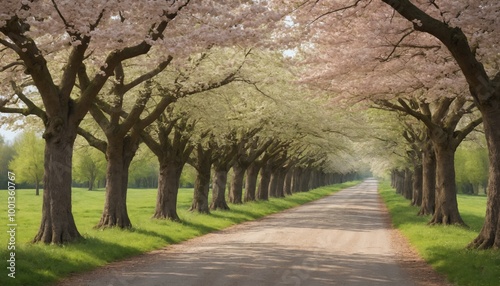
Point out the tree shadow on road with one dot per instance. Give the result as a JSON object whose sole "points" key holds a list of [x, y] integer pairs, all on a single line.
{"points": [[264, 264]]}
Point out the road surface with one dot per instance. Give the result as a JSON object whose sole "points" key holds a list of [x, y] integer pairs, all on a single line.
{"points": [[343, 239]]}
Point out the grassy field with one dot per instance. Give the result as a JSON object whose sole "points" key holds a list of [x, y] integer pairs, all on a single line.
{"points": [[42, 264], [444, 247]]}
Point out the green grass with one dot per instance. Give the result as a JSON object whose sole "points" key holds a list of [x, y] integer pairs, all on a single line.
{"points": [[38, 264], [444, 247]]}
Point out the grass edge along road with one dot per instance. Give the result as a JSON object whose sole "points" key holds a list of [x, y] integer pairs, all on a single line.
{"points": [[444, 247], [38, 264]]}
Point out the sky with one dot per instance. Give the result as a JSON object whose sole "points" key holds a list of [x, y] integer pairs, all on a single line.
{"points": [[8, 135]]}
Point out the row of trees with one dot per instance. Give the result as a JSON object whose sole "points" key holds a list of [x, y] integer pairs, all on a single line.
{"points": [[290, 160], [434, 62], [62, 62], [132, 66], [24, 156], [193, 81]]}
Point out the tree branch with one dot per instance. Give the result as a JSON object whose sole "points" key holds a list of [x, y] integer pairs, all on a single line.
{"points": [[426, 120], [154, 146], [395, 46], [355, 4], [460, 136], [139, 106], [35, 63], [92, 140], [149, 75], [456, 42], [32, 108], [442, 109], [13, 64], [100, 118], [159, 109], [118, 56]]}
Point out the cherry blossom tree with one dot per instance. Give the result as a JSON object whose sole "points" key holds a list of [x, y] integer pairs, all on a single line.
{"points": [[47, 37], [442, 119], [68, 52], [467, 31], [472, 43], [173, 143], [119, 125]]}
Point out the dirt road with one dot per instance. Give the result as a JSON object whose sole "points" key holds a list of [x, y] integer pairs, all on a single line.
{"points": [[342, 239]]}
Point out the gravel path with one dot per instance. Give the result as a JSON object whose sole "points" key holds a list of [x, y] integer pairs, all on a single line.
{"points": [[344, 239]]}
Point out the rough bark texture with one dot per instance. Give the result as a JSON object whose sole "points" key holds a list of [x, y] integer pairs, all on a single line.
{"points": [[489, 236], [172, 153], [219, 190], [273, 184], [446, 211], [201, 190], [236, 190], [119, 154], [168, 188], [278, 180], [251, 182], [57, 225], [428, 181], [202, 183]]}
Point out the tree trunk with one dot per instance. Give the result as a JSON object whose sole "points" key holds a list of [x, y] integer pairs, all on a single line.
{"points": [[280, 182], [91, 183], [201, 190], [305, 180], [296, 180], [428, 180], [486, 94], [408, 184], [37, 186], [489, 236], [251, 182], [219, 190], [236, 190], [315, 178], [273, 184], [446, 211], [202, 183], [119, 154], [168, 188], [287, 190], [399, 181], [393, 180], [265, 178], [57, 223], [172, 153], [417, 186]]}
